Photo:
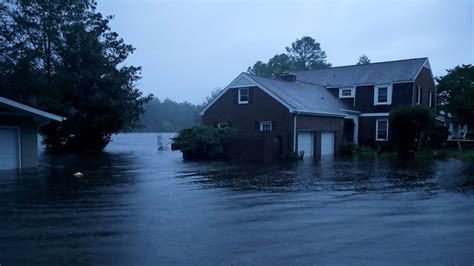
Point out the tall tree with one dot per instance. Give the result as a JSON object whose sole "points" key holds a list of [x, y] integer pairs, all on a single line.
{"points": [[363, 60], [278, 64], [455, 93], [64, 57], [304, 54]]}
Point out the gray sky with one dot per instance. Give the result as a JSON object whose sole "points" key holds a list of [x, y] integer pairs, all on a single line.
{"points": [[187, 48]]}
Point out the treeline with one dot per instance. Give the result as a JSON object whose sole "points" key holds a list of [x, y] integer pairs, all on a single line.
{"points": [[168, 116]]}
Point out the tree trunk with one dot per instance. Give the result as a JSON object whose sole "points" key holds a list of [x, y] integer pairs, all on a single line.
{"points": [[459, 145]]}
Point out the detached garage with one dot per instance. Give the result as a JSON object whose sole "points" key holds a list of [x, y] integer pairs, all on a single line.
{"points": [[18, 134]]}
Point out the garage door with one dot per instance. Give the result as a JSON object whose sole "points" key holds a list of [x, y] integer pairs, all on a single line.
{"points": [[306, 143], [9, 153], [327, 143]]}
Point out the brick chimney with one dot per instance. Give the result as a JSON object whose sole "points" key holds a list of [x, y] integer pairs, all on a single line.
{"points": [[288, 76]]}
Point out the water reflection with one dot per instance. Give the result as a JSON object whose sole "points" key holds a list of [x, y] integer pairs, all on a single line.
{"points": [[137, 205]]}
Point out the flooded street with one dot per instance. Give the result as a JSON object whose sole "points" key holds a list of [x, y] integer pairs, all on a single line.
{"points": [[138, 205]]}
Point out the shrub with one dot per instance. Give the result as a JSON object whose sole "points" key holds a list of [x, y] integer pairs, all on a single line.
{"points": [[349, 148], [438, 136], [407, 123], [201, 142]]}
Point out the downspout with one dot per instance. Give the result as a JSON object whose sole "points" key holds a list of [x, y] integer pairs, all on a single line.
{"points": [[294, 131]]}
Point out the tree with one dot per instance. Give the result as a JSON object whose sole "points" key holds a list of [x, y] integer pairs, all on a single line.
{"points": [[63, 56], [278, 64], [455, 93], [363, 60], [407, 123], [304, 54], [214, 93]]}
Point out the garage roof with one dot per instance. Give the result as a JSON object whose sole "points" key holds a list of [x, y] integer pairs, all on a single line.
{"points": [[26, 109]]}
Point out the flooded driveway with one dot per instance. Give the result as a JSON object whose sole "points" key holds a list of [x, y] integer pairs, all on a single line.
{"points": [[137, 205]]}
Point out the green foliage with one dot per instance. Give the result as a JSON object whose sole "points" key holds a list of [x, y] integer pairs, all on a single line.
{"points": [[407, 123], [438, 136], [62, 56], [304, 54], [201, 142], [363, 60], [349, 148], [455, 92]]}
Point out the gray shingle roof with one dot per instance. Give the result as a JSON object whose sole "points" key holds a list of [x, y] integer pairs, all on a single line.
{"points": [[302, 96], [374, 73]]}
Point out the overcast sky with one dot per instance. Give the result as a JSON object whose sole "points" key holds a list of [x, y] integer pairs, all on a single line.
{"points": [[187, 48]]}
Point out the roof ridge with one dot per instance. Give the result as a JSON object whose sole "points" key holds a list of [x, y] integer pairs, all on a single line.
{"points": [[361, 65], [272, 79]]}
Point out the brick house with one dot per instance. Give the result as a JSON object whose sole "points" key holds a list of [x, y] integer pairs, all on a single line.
{"points": [[316, 111]]}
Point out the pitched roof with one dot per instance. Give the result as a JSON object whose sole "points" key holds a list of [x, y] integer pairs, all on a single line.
{"points": [[373, 73], [303, 97], [12, 105]]}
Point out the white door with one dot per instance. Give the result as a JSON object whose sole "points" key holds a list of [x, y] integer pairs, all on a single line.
{"points": [[9, 150], [327, 143], [306, 143]]}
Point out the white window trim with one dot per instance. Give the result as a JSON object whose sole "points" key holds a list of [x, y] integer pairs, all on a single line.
{"points": [[248, 95], [377, 129], [389, 94], [418, 94], [345, 96], [430, 99], [263, 123], [222, 125]]}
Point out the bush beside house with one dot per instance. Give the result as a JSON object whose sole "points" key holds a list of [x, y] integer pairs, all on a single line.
{"points": [[201, 142], [408, 123]]}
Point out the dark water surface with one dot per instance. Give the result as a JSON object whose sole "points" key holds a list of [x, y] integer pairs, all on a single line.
{"points": [[137, 205]]}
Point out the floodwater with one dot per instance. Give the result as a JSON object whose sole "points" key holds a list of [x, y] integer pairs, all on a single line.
{"points": [[136, 205]]}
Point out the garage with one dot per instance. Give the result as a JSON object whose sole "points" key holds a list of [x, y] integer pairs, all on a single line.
{"points": [[19, 134], [306, 143], [10, 152], [327, 143]]}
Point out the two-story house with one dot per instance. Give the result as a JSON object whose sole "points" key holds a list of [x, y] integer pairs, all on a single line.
{"points": [[316, 111]]}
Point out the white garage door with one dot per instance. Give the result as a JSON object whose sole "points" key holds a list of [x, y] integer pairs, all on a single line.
{"points": [[327, 143], [9, 153], [306, 143]]}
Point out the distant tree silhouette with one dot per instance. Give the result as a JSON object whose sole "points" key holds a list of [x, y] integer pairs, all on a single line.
{"points": [[363, 60], [304, 54]]}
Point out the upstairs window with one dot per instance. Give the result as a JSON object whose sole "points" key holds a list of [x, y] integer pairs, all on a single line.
{"points": [[418, 95], [266, 126], [346, 92], [382, 95], [381, 131], [243, 96]]}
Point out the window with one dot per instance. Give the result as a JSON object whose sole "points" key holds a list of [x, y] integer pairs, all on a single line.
{"points": [[382, 94], [381, 130], [418, 95], [223, 125], [346, 92], [243, 96], [265, 125]]}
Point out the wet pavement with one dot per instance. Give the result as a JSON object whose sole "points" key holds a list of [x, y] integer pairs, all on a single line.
{"points": [[137, 205]]}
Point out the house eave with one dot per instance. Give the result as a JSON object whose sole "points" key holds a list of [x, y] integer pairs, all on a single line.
{"points": [[31, 110]]}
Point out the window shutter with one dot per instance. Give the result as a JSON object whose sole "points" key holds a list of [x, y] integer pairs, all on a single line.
{"points": [[236, 95], [257, 125], [250, 95], [421, 95], [274, 126]]}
